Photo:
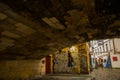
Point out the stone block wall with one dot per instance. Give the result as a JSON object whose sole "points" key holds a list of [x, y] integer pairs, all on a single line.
{"points": [[19, 69]]}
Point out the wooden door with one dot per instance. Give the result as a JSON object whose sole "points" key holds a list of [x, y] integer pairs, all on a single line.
{"points": [[48, 64]]}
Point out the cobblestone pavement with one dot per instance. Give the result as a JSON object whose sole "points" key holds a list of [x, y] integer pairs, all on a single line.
{"points": [[65, 77], [99, 74], [106, 74]]}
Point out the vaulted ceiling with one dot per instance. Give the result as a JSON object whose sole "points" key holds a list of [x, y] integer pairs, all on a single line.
{"points": [[32, 29]]}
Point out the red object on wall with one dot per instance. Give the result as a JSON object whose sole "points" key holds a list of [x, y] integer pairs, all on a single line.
{"points": [[115, 58], [48, 64]]}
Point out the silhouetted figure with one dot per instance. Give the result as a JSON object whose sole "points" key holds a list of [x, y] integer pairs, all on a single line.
{"points": [[70, 59]]}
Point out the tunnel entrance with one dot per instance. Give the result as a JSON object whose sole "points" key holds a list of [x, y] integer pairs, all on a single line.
{"points": [[72, 60]]}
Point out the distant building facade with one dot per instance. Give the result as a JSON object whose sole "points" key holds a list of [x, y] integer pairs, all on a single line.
{"points": [[105, 53]]}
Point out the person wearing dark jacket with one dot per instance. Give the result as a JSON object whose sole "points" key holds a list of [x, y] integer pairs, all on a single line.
{"points": [[70, 59]]}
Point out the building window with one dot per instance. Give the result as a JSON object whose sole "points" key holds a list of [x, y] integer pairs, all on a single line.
{"points": [[100, 50], [97, 51], [94, 42], [103, 49], [104, 60], [94, 54], [106, 47]]}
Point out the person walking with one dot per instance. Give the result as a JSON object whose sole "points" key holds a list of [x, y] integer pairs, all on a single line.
{"points": [[70, 59]]}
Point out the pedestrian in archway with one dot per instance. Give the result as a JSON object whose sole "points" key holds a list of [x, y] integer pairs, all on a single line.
{"points": [[70, 59]]}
